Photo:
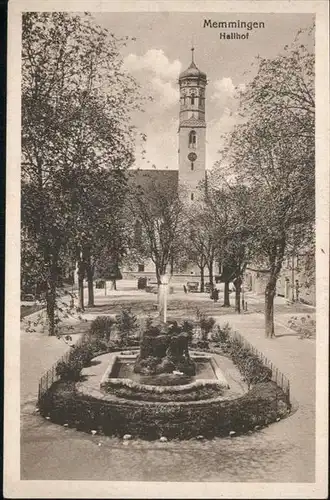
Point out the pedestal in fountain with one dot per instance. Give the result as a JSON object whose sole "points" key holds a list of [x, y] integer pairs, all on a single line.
{"points": [[164, 349]]}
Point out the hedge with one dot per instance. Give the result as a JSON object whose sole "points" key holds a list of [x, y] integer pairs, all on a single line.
{"points": [[260, 406]]}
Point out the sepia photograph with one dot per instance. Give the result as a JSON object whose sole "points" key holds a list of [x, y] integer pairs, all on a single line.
{"points": [[167, 250]]}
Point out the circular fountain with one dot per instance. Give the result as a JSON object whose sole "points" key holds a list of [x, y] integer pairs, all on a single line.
{"points": [[164, 388]]}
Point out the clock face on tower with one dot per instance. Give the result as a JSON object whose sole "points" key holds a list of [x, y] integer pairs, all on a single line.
{"points": [[192, 157]]}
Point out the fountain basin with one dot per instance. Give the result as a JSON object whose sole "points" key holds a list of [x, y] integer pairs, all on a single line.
{"points": [[120, 372]]}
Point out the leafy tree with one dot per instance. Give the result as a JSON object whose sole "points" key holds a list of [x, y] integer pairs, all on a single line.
{"points": [[158, 214], [200, 239], [221, 221], [237, 245], [97, 204], [76, 106], [273, 153]]}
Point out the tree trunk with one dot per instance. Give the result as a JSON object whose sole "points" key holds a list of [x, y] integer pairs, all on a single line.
{"points": [[51, 291], [158, 275], [90, 275], [51, 304], [226, 299], [211, 280], [160, 271], [202, 278], [269, 307], [161, 293], [276, 256], [81, 285], [172, 265], [238, 288]]}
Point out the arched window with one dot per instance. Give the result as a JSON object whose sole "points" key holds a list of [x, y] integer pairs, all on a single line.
{"points": [[192, 165], [192, 139], [192, 196], [192, 99]]}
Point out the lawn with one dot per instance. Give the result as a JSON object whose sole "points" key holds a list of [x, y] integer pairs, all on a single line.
{"points": [[177, 308]]}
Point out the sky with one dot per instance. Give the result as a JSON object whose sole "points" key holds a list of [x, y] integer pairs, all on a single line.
{"points": [[161, 50]]}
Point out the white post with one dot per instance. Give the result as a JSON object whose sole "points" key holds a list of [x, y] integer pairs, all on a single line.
{"points": [[160, 299], [163, 297], [165, 301]]}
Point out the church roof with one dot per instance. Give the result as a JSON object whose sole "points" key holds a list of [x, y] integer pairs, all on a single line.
{"points": [[151, 179]]}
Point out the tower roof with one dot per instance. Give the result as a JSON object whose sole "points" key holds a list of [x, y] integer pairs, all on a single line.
{"points": [[192, 71]]}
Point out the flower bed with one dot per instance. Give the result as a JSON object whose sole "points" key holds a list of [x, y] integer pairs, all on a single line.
{"points": [[128, 389]]}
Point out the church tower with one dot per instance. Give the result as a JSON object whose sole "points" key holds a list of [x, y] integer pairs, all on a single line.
{"points": [[192, 129]]}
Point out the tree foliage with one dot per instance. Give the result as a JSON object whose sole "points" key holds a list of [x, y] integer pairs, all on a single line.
{"points": [[272, 152], [76, 128]]}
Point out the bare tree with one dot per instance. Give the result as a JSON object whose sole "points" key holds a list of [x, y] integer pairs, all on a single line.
{"points": [[157, 211]]}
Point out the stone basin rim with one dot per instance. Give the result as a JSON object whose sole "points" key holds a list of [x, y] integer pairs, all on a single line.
{"points": [[220, 380]]}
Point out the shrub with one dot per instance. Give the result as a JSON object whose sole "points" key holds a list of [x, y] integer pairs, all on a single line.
{"points": [[114, 345], [250, 366], [79, 357], [305, 326], [188, 328], [206, 325], [221, 334], [97, 345], [102, 326], [68, 370], [127, 324], [82, 354], [201, 344]]}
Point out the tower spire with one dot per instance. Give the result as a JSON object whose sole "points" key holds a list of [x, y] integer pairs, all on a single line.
{"points": [[192, 54]]}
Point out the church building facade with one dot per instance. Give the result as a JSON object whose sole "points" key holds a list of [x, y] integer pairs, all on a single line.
{"points": [[191, 171]]}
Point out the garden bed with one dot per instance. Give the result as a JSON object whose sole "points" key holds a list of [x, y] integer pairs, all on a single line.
{"points": [[151, 412], [196, 391]]}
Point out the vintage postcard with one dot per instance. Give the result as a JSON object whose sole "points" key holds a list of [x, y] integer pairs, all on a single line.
{"points": [[167, 263]]}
